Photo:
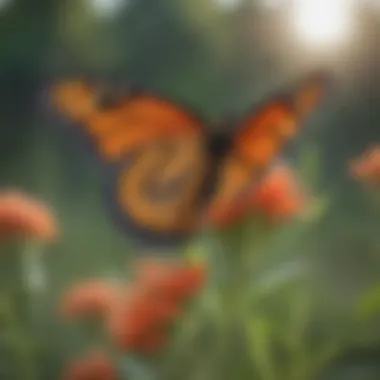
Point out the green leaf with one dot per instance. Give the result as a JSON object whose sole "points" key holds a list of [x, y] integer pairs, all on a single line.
{"points": [[315, 209], [324, 355], [300, 307], [195, 252], [259, 333], [277, 280], [6, 317], [368, 304]]}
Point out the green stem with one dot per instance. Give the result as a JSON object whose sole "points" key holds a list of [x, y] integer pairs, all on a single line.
{"points": [[253, 239], [260, 348], [33, 279], [18, 342], [182, 351], [233, 295], [17, 312]]}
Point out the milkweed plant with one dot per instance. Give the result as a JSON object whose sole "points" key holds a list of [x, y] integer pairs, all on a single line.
{"points": [[233, 304]]}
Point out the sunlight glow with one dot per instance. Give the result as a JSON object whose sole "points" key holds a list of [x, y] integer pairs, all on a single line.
{"points": [[228, 4], [322, 21], [5, 4], [107, 7], [273, 4]]}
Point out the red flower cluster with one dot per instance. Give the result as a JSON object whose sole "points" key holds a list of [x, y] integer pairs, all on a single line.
{"points": [[95, 366], [93, 297], [21, 215], [137, 318], [153, 302], [366, 168], [277, 197]]}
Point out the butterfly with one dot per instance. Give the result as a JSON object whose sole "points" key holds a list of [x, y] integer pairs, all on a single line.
{"points": [[168, 171]]}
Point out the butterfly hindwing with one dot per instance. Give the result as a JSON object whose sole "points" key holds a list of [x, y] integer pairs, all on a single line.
{"points": [[155, 193]]}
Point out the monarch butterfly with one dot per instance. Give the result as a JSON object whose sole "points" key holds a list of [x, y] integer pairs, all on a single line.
{"points": [[168, 169]]}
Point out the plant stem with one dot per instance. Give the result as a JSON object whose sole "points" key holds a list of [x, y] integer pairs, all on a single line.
{"points": [[17, 312], [234, 300]]}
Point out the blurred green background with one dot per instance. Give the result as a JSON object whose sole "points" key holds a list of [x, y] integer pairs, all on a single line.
{"points": [[220, 57]]}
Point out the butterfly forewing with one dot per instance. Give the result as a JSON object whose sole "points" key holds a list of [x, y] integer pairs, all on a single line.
{"points": [[259, 139]]}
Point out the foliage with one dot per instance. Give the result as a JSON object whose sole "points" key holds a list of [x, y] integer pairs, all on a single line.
{"points": [[310, 288], [259, 315]]}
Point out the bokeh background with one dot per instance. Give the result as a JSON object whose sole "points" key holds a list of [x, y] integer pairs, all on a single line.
{"points": [[221, 57]]}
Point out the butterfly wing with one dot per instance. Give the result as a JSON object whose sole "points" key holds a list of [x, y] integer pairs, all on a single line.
{"points": [[261, 137], [135, 119], [155, 192], [158, 156]]}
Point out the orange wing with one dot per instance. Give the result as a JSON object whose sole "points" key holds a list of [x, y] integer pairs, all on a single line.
{"points": [[154, 192], [135, 120], [260, 139]]}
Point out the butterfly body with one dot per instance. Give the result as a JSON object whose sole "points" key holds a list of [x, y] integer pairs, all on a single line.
{"points": [[167, 169]]}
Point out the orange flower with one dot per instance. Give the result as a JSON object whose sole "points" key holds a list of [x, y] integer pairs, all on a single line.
{"points": [[89, 298], [366, 168], [153, 303], [277, 197], [141, 315], [182, 282], [230, 214], [171, 278], [21, 215], [148, 269], [95, 366]]}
